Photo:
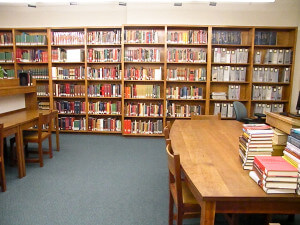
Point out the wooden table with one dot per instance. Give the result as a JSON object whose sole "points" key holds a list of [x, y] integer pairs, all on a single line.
{"points": [[210, 160], [284, 123], [15, 123]]}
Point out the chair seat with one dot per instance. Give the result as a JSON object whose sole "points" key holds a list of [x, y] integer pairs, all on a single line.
{"points": [[187, 196], [33, 136]]}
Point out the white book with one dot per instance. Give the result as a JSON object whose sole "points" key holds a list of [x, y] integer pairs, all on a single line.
{"points": [[232, 74], [245, 56], [280, 56], [157, 74], [228, 57], [54, 73], [257, 57], [74, 55], [274, 57], [286, 75], [214, 73], [220, 73], [233, 56], [217, 55], [279, 93], [224, 110], [230, 110], [217, 108], [266, 74], [223, 55], [287, 56], [226, 73], [255, 74], [243, 74]]}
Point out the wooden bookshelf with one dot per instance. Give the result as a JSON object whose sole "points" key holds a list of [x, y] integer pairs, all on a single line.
{"points": [[168, 57]]}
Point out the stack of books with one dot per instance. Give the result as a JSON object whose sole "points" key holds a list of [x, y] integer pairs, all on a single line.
{"points": [[219, 95], [274, 175], [291, 152], [255, 141]]}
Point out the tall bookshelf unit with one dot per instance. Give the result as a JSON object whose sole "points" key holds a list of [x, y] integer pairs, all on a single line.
{"points": [[132, 79]]}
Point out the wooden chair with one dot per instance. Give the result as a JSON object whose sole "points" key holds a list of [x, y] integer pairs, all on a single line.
{"points": [[179, 193], [38, 137], [205, 117], [2, 169]]}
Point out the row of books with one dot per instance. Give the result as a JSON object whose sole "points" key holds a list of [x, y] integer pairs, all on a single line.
{"points": [[104, 37], [265, 38], [7, 73], [104, 124], [266, 92], [67, 38], [219, 95], [224, 55], [67, 73], [142, 73], [6, 38], [31, 39], [141, 36], [273, 56], [42, 90], [234, 92], [69, 107], [186, 55], [263, 108], [143, 127], [43, 105], [187, 37], [6, 57], [142, 55], [142, 91], [67, 55], [186, 74], [191, 92], [274, 175], [225, 109], [37, 73], [68, 90], [104, 90], [143, 109], [182, 110], [31, 55], [228, 73], [105, 108], [226, 37], [72, 123], [104, 55], [291, 152], [104, 73], [267, 74], [256, 140]]}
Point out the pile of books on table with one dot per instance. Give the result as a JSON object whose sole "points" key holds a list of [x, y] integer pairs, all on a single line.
{"points": [[274, 175], [291, 152], [255, 141]]}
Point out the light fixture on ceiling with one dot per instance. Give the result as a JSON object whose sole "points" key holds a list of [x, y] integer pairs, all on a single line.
{"points": [[125, 1], [73, 3], [212, 4], [31, 6], [178, 4], [122, 3]]}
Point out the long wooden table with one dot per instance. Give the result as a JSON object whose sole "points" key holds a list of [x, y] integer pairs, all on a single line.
{"points": [[210, 160], [15, 123]]}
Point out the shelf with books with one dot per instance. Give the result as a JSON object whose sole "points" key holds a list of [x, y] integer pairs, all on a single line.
{"points": [[176, 109], [236, 36], [224, 108]]}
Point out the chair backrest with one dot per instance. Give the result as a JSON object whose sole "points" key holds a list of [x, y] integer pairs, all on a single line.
{"points": [[44, 119], [205, 117], [174, 173], [240, 111]]}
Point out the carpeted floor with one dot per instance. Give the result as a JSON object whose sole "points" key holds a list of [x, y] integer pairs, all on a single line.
{"points": [[95, 179]]}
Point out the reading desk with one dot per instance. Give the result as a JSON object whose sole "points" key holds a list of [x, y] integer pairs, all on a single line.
{"points": [[210, 160]]}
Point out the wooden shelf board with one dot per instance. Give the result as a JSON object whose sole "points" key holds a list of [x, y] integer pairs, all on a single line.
{"points": [[91, 114], [151, 81], [273, 65], [98, 80], [71, 114], [150, 135], [134, 62], [184, 81], [105, 97], [103, 62], [74, 97], [144, 44], [228, 100], [67, 62], [272, 83], [30, 46], [231, 45], [150, 117], [68, 45], [186, 45], [270, 101], [68, 80], [104, 45], [15, 90], [142, 99], [175, 99], [230, 64], [273, 46], [190, 63], [229, 82]]}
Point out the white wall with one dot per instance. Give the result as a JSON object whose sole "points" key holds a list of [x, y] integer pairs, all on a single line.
{"points": [[281, 13]]}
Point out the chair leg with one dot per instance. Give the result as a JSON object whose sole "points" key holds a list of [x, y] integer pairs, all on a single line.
{"points": [[171, 208], [50, 147], [41, 155], [2, 174], [179, 216]]}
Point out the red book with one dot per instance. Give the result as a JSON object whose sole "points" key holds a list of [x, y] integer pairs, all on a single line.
{"points": [[275, 166]]}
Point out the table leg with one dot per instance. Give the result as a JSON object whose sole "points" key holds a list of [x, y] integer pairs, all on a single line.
{"points": [[208, 210], [18, 153], [57, 133], [22, 157]]}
